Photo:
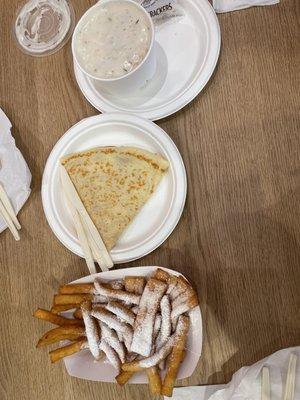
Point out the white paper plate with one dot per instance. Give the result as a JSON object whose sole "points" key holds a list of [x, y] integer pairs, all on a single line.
{"points": [[158, 217], [82, 365], [187, 53]]}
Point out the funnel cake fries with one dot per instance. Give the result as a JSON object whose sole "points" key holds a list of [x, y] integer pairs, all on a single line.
{"points": [[176, 356], [55, 319], [121, 311], [180, 334], [111, 354], [157, 325], [144, 323], [91, 329], [61, 333], [65, 351], [180, 292], [154, 380], [166, 325], [138, 323], [62, 307], [84, 288], [116, 294], [113, 341], [77, 299], [134, 284], [113, 322]]}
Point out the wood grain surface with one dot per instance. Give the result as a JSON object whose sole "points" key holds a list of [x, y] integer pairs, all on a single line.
{"points": [[239, 236]]}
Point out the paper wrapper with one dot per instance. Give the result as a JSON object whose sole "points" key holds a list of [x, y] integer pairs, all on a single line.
{"points": [[246, 382], [15, 176], [233, 5], [194, 392]]}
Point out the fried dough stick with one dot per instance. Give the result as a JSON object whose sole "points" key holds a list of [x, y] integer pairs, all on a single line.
{"points": [[121, 311], [65, 351], [180, 333], [57, 309], [77, 313], [152, 361], [91, 329], [116, 294], [71, 332], [124, 377], [55, 319], [176, 357], [134, 284], [154, 380], [113, 322], [144, 322], [162, 275], [86, 288], [83, 288], [60, 299]]}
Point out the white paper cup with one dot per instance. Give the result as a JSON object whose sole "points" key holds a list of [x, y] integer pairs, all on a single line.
{"points": [[135, 79]]}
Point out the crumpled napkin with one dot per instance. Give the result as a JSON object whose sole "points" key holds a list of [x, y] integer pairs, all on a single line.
{"points": [[194, 392], [15, 176], [232, 5], [246, 382]]}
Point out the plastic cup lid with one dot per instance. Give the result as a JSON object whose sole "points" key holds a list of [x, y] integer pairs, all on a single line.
{"points": [[43, 26]]}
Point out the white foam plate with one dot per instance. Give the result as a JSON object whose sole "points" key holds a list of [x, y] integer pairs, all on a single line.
{"points": [[82, 365], [187, 52], [158, 217]]}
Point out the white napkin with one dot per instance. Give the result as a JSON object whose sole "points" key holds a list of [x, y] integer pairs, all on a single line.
{"points": [[195, 392], [233, 5], [15, 176], [246, 382]]}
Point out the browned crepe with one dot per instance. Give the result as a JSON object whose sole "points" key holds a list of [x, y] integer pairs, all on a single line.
{"points": [[114, 183]]}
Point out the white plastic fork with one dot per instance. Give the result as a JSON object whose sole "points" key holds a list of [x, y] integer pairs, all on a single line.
{"points": [[291, 378], [9, 208], [265, 384]]}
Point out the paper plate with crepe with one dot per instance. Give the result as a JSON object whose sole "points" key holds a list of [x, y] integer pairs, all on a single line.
{"points": [[187, 47], [129, 177], [140, 324], [15, 179]]}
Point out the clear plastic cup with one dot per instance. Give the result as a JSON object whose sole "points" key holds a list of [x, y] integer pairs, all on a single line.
{"points": [[42, 27]]}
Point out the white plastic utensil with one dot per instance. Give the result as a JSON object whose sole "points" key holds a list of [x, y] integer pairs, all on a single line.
{"points": [[82, 237], [8, 214], [94, 248], [291, 378], [9, 222], [9, 208], [265, 384], [104, 259]]}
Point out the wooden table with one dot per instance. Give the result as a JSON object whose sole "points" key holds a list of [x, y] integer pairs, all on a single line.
{"points": [[239, 236]]}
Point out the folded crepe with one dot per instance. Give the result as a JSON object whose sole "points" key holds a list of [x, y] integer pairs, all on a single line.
{"points": [[114, 183]]}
